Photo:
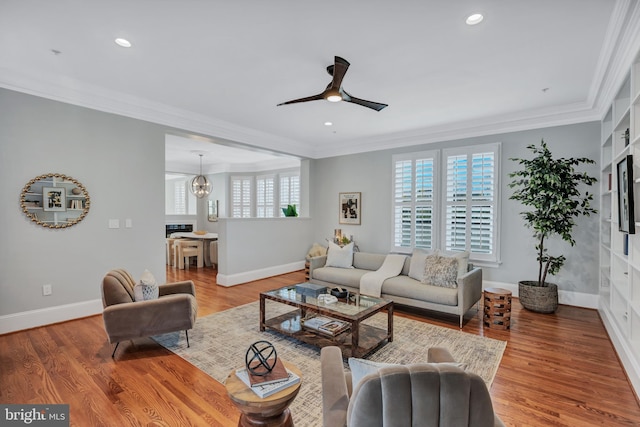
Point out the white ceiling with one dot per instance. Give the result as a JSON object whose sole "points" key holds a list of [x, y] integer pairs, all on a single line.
{"points": [[219, 68]]}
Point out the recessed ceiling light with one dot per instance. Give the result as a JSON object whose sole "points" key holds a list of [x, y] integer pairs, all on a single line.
{"points": [[328, 123], [123, 42], [474, 19]]}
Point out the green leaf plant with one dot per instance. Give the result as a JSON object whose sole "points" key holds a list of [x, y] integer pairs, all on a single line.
{"points": [[290, 210], [551, 189]]}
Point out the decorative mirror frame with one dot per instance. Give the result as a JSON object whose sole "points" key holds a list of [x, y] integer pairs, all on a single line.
{"points": [[29, 210], [212, 210]]}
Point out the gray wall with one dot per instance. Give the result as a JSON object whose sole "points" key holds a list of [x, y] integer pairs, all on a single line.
{"points": [[121, 163], [370, 174]]}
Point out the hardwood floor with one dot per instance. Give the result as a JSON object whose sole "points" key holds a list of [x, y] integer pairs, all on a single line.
{"points": [[557, 370]]}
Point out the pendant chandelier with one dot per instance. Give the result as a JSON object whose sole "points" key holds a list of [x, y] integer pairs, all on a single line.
{"points": [[200, 185]]}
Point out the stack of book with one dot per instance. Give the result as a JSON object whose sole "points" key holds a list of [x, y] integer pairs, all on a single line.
{"points": [[276, 380], [326, 325]]}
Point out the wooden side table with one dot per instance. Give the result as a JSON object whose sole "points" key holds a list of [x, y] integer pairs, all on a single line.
{"points": [[272, 411], [497, 308]]}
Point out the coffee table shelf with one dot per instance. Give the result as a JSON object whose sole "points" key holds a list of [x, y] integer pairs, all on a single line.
{"points": [[364, 341]]}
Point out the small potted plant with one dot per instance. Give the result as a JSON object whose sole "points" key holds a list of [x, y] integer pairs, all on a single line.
{"points": [[550, 188], [290, 210]]}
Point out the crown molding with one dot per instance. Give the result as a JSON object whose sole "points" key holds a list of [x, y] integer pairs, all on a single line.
{"points": [[548, 117], [97, 98]]}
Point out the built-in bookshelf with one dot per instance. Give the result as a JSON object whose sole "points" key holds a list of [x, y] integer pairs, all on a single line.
{"points": [[620, 251]]}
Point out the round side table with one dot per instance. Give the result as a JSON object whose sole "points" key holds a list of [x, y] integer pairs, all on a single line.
{"points": [[497, 308], [272, 411]]}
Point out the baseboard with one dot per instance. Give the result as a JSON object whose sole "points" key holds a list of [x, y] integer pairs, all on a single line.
{"points": [[249, 276], [625, 354], [46, 316], [577, 299]]}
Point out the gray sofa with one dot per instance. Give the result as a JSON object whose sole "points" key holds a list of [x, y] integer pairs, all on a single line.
{"points": [[402, 289]]}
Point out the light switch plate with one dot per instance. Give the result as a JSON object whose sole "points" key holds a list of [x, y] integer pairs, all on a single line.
{"points": [[114, 223], [128, 223]]}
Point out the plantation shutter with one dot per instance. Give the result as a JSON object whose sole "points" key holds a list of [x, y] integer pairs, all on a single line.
{"points": [[241, 197], [413, 201], [265, 196], [470, 201]]}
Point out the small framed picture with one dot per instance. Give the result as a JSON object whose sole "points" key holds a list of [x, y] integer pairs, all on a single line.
{"points": [[54, 199], [350, 208], [626, 217]]}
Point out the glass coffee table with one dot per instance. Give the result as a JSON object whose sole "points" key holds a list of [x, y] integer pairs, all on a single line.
{"points": [[357, 340]]}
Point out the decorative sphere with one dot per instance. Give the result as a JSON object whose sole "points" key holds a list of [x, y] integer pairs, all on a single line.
{"points": [[261, 358]]}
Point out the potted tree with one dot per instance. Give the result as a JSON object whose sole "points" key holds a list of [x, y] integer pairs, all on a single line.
{"points": [[549, 187]]}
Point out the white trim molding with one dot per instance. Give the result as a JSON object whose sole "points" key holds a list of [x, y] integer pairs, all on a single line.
{"points": [[263, 273], [577, 299], [46, 316]]}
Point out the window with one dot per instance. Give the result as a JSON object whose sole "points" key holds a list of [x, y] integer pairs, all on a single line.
{"points": [[265, 196], [414, 185], [178, 198], [272, 192], [289, 191], [241, 197], [458, 215]]}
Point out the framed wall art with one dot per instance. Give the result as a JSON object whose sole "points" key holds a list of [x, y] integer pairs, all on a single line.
{"points": [[54, 199], [626, 216], [350, 208]]}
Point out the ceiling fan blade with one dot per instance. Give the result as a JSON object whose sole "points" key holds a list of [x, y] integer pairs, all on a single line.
{"points": [[308, 98], [370, 104], [340, 68]]}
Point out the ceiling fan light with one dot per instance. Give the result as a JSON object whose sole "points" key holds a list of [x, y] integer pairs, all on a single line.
{"points": [[334, 98]]}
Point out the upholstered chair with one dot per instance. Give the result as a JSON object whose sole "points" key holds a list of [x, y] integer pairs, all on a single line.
{"points": [[426, 394], [175, 309]]}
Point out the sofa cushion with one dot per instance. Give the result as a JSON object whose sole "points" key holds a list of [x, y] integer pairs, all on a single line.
{"points": [[441, 271], [147, 288], [406, 287], [340, 276], [368, 261], [462, 257], [340, 257], [418, 258]]}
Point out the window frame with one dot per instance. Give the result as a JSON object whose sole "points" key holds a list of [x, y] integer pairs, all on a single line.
{"points": [[439, 214]]}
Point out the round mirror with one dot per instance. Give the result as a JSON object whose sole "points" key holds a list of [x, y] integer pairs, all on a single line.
{"points": [[55, 200]]}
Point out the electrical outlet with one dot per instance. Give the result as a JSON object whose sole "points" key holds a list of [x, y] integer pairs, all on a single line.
{"points": [[46, 290]]}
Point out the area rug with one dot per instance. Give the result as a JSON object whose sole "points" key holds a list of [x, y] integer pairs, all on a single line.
{"points": [[219, 343]]}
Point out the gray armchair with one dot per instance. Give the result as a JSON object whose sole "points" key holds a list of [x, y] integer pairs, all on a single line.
{"points": [[175, 309], [427, 394]]}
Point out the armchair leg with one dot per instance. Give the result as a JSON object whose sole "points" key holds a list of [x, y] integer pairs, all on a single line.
{"points": [[114, 350], [461, 318], [187, 333]]}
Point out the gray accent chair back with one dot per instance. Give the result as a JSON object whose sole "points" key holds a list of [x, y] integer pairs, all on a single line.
{"points": [[175, 309], [426, 394]]}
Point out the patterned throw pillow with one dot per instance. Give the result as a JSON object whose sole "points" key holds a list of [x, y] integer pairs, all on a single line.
{"points": [[441, 271], [147, 288]]}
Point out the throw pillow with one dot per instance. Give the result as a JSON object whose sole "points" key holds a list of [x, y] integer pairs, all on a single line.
{"points": [[416, 266], [316, 250], [462, 257], [340, 257], [147, 288], [360, 368], [441, 271]]}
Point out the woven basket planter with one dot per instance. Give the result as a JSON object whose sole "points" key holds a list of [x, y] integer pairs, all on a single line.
{"points": [[541, 299]]}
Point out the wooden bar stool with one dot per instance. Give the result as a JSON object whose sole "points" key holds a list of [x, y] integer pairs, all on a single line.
{"points": [[171, 257], [185, 248]]}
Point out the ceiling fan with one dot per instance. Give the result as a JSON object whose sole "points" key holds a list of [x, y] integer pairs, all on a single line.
{"points": [[334, 91]]}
